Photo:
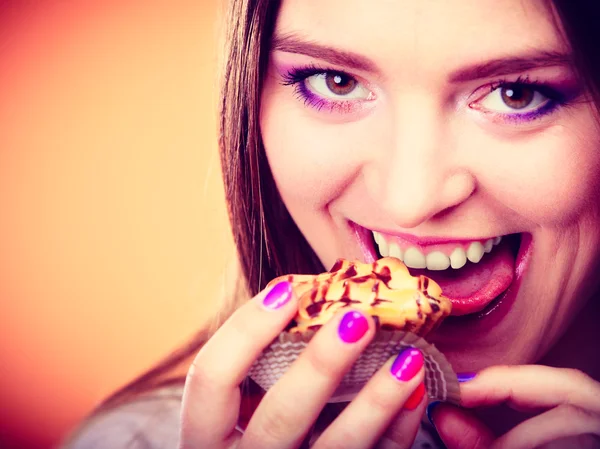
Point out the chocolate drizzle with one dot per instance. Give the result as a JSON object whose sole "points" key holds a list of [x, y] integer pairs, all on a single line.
{"points": [[337, 266], [348, 301], [433, 302], [419, 311], [375, 288], [346, 293], [385, 275], [368, 287], [315, 308], [361, 279], [351, 271]]}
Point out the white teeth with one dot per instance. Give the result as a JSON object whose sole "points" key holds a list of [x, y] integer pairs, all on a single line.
{"points": [[383, 247], [458, 258], [395, 251], [437, 260], [413, 258], [488, 245], [475, 252], [377, 237]]}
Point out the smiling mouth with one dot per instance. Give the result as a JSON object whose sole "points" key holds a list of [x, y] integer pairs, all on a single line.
{"points": [[473, 274]]}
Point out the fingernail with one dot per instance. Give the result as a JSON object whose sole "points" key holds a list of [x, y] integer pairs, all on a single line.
{"points": [[429, 411], [465, 377], [279, 295], [352, 327], [415, 398], [407, 364]]}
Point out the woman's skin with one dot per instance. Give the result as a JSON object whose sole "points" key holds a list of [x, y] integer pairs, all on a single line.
{"points": [[437, 123], [420, 158]]}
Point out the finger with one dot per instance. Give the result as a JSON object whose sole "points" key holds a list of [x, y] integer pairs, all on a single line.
{"points": [[404, 428], [559, 423], [526, 387], [459, 428], [291, 406], [587, 441], [211, 395], [366, 418]]}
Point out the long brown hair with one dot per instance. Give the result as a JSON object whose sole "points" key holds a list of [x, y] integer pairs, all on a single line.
{"points": [[268, 242]]}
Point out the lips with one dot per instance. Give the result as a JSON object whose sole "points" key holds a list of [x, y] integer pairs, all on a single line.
{"points": [[473, 288]]}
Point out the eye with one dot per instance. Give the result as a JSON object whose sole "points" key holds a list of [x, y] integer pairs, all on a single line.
{"points": [[336, 85], [514, 97]]}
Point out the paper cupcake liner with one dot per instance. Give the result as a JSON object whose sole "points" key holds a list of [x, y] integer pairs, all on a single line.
{"points": [[440, 379]]}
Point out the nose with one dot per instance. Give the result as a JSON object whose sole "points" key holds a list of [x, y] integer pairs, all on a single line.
{"points": [[419, 173]]}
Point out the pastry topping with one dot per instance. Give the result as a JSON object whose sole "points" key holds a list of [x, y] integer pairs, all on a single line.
{"points": [[384, 289]]}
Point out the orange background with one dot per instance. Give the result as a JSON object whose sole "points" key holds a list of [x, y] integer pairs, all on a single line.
{"points": [[113, 228]]}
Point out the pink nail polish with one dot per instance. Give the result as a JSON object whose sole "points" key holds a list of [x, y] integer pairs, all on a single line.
{"points": [[279, 295], [352, 327], [407, 364]]}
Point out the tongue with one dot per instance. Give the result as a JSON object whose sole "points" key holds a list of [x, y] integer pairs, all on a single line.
{"points": [[472, 287]]}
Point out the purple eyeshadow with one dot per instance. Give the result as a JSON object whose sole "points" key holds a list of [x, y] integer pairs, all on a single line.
{"points": [[297, 77], [517, 118], [310, 99]]}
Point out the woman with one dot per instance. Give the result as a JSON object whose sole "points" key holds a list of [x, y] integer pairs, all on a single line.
{"points": [[461, 136]]}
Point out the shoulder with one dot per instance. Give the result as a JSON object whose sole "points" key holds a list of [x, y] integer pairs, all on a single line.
{"points": [[149, 422]]}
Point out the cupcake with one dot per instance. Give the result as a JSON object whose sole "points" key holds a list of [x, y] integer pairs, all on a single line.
{"points": [[405, 308]]}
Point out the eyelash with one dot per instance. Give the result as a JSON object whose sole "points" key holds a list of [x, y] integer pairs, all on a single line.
{"points": [[297, 77], [556, 99]]}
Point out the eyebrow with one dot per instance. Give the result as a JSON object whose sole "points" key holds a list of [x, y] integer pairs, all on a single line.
{"points": [[511, 65], [292, 43]]}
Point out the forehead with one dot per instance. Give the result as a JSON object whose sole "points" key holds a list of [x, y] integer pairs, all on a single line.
{"points": [[426, 32]]}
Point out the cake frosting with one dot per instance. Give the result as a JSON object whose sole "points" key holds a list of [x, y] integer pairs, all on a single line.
{"points": [[383, 289]]}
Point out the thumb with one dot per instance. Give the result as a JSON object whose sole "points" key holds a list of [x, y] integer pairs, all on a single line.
{"points": [[459, 428]]}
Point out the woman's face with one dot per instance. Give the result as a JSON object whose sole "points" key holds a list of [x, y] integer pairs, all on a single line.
{"points": [[442, 126]]}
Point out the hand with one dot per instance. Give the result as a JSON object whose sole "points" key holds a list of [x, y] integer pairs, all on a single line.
{"points": [[211, 400], [569, 402]]}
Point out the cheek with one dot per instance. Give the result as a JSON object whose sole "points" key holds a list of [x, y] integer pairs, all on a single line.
{"points": [[312, 163], [549, 181]]}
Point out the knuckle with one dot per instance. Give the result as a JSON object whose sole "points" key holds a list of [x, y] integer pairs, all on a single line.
{"points": [[340, 441], [574, 413], [241, 324], [469, 438], [194, 372], [477, 440], [382, 404], [320, 361], [380, 399], [396, 435], [199, 376], [277, 422], [204, 379], [576, 375]]}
